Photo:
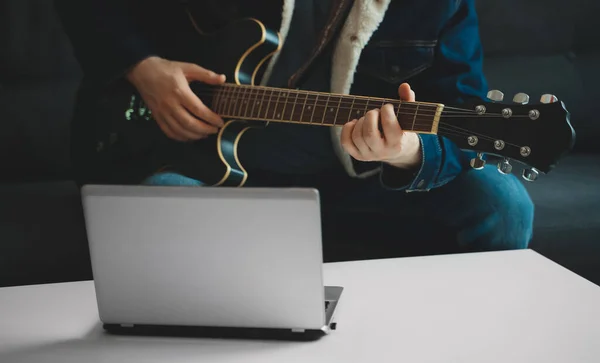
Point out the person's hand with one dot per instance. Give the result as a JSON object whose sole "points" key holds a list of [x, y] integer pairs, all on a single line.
{"points": [[363, 140], [164, 86]]}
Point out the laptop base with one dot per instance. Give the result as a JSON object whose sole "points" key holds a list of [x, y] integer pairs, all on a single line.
{"points": [[332, 298], [217, 332]]}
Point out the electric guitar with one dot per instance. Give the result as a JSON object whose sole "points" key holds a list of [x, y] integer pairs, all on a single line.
{"points": [[536, 135]]}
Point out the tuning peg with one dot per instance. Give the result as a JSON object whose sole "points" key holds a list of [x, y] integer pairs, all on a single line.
{"points": [[504, 167], [478, 163], [521, 98], [530, 175], [495, 95], [548, 98]]}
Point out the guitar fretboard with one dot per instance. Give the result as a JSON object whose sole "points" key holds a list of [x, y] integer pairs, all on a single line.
{"points": [[316, 108]]}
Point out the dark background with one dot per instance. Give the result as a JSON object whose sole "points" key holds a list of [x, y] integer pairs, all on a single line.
{"points": [[531, 46]]}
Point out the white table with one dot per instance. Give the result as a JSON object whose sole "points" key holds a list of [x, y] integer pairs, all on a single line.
{"points": [[504, 307]]}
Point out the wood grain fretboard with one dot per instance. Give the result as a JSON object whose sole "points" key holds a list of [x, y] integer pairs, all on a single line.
{"points": [[316, 108]]}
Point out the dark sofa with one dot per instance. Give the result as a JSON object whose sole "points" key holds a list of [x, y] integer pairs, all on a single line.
{"points": [[531, 46]]}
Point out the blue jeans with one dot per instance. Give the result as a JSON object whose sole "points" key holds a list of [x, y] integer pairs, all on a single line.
{"points": [[489, 211]]}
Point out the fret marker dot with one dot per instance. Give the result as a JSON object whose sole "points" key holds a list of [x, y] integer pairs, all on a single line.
{"points": [[284, 95], [331, 109], [257, 102], [358, 112], [278, 115], [309, 107]]}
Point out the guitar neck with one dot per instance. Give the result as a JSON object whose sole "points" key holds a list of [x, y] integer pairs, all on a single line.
{"points": [[270, 104]]}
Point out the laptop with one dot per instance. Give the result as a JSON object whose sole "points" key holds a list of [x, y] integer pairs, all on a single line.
{"points": [[209, 261]]}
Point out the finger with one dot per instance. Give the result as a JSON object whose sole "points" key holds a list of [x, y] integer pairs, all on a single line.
{"points": [[197, 73], [197, 108], [358, 139], [191, 124], [346, 139], [180, 131], [371, 133], [166, 129], [392, 132], [406, 93]]}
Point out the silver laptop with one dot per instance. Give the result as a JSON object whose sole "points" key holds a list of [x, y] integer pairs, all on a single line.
{"points": [[219, 262]]}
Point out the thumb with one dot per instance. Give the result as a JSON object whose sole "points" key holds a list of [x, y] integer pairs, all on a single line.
{"points": [[406, 93], [194, 72]]}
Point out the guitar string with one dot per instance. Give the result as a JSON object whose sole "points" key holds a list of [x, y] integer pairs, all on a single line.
{"points": [[335, 105], [266, 89], [338, 105], [322, 102], [343, 96]]}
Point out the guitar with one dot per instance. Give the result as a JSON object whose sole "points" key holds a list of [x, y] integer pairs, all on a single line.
{"points": [[536, 135]]}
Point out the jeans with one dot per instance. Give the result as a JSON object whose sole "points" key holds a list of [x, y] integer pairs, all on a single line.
{"points": [[489, 211]]}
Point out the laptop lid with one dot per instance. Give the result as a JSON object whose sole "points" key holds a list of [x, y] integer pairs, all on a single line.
{"points": [[203, 256]]}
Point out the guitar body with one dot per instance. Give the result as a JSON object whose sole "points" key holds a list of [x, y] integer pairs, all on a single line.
{"points": [[241, 51]]}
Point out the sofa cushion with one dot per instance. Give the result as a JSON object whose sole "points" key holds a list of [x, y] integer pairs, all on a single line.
{"points": [[546, 46]]}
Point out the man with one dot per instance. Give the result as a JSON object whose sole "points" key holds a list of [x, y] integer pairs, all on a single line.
{"points": [[368, 47]]}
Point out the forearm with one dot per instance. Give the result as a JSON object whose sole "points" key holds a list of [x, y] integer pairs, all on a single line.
{"points": [[456, 76]]}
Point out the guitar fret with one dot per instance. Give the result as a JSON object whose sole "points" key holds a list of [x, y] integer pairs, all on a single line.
{"points": [[266, 117], [235, 102], [291, 117], [276, 104], [314, 107], [252, 101], [301, 119], [281, 103], [331, 110], [260, 100], [415, 117], [338, 110], [241, 101], [247, 101], [219, 106], [217, 100], [351, 112], [228, 97], [325, 109], [288, 112]]}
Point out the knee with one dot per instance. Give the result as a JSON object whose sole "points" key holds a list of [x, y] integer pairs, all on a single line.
{"points": [[171, 179], [515, 210], [505, 211]]}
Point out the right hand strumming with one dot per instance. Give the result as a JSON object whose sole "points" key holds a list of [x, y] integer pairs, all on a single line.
{"points": [[164, 86]]}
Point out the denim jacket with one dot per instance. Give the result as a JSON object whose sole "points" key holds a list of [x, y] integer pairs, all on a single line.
{"points": [[433, 45]]}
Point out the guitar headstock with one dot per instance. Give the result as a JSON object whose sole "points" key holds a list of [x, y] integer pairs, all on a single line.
{"points": [[536, 135]]}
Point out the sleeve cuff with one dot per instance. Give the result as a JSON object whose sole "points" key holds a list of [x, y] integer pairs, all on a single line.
{"points": [[422, 179]]}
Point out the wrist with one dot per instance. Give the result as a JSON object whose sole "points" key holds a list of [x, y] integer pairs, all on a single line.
{"points": [[411, 157], [138, 70]]}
